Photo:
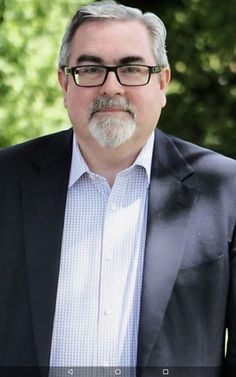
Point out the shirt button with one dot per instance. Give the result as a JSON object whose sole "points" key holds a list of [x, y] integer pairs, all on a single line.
{"points": [[105, 312], [109, 258]]}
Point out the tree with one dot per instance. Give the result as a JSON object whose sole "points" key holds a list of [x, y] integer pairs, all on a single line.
{"points": [[30, 35], [202, 54]]}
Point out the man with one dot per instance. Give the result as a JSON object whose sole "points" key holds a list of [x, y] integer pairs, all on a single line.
{"points": [[117, 241]]}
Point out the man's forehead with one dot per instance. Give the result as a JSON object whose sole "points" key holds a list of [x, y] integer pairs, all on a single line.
{"points": [[94, 28], [112, 39]]}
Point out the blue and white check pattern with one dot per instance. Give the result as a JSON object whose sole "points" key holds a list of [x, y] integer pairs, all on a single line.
{"points": [[98, 299]]}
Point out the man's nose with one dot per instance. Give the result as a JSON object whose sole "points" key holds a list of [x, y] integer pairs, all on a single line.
{"points": [[112, 86]]}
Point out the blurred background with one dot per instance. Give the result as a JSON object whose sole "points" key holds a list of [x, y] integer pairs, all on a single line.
{"points": [[201, 44]]}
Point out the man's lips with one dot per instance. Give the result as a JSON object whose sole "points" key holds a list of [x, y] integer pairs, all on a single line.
{"points": [[110, 110]]}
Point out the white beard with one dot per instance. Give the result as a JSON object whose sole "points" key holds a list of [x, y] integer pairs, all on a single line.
{"points": [[111, 132]]}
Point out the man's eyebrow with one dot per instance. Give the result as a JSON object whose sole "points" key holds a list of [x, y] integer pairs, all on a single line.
{"points": [[131, 59], [89, 58], [96, 59]]}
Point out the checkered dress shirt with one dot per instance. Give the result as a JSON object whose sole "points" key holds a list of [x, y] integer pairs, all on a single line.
{"points": [[98, 299]]}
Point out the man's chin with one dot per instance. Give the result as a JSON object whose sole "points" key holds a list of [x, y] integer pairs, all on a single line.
{"points": [[112, 132]]}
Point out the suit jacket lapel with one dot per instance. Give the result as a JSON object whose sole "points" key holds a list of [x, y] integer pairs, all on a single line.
{"points": [[44, 189], [171, 195]]}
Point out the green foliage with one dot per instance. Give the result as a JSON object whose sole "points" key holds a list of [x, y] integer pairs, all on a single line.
{"points": [[201, 47], [202, 53], [203, 91], [30, 98]]}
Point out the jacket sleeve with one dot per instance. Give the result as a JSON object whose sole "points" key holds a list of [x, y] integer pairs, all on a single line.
{"points": [[231, 312]]}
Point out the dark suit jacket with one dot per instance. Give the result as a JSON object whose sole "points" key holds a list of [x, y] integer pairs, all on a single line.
{"points": [[189, 278]]}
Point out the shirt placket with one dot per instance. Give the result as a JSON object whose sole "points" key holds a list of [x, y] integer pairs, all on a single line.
{"points": [[107, 320]]}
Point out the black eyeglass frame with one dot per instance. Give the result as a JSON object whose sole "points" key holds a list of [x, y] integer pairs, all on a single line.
{"points": [[151, 70]]}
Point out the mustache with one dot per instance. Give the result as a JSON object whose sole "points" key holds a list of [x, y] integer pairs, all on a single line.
{"points": [[105, 103]]}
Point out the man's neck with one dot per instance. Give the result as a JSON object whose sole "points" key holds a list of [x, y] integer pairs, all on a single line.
{"points": [[108, 162]]}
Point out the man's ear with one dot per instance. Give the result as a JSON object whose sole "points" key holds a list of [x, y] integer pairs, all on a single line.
{"points": [[63, 81], [165, 76]]}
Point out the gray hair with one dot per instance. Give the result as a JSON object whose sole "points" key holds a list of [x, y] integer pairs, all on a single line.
{"points": [[110, 9]]}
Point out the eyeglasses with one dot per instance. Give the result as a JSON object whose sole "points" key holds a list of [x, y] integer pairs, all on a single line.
{"points": [[127, 75]]}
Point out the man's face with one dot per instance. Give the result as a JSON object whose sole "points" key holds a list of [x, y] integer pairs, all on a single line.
{"points": [[125, 114]]}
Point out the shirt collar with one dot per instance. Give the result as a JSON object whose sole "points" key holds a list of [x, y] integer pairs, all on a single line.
{"points": [[144, 158], [79, 166]]}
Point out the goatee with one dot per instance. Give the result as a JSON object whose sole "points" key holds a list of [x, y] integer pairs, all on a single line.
{"points": [[111, 131]]}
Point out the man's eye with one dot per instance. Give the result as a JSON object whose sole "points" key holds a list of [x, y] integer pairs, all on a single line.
{"points": [[131, 69], [90, 70]]}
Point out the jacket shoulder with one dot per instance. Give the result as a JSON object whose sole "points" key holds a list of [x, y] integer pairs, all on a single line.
{"points": [[20, 153], [201, 158]]}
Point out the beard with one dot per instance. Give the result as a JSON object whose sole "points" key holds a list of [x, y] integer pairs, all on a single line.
{"points": [[111, 131]]}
